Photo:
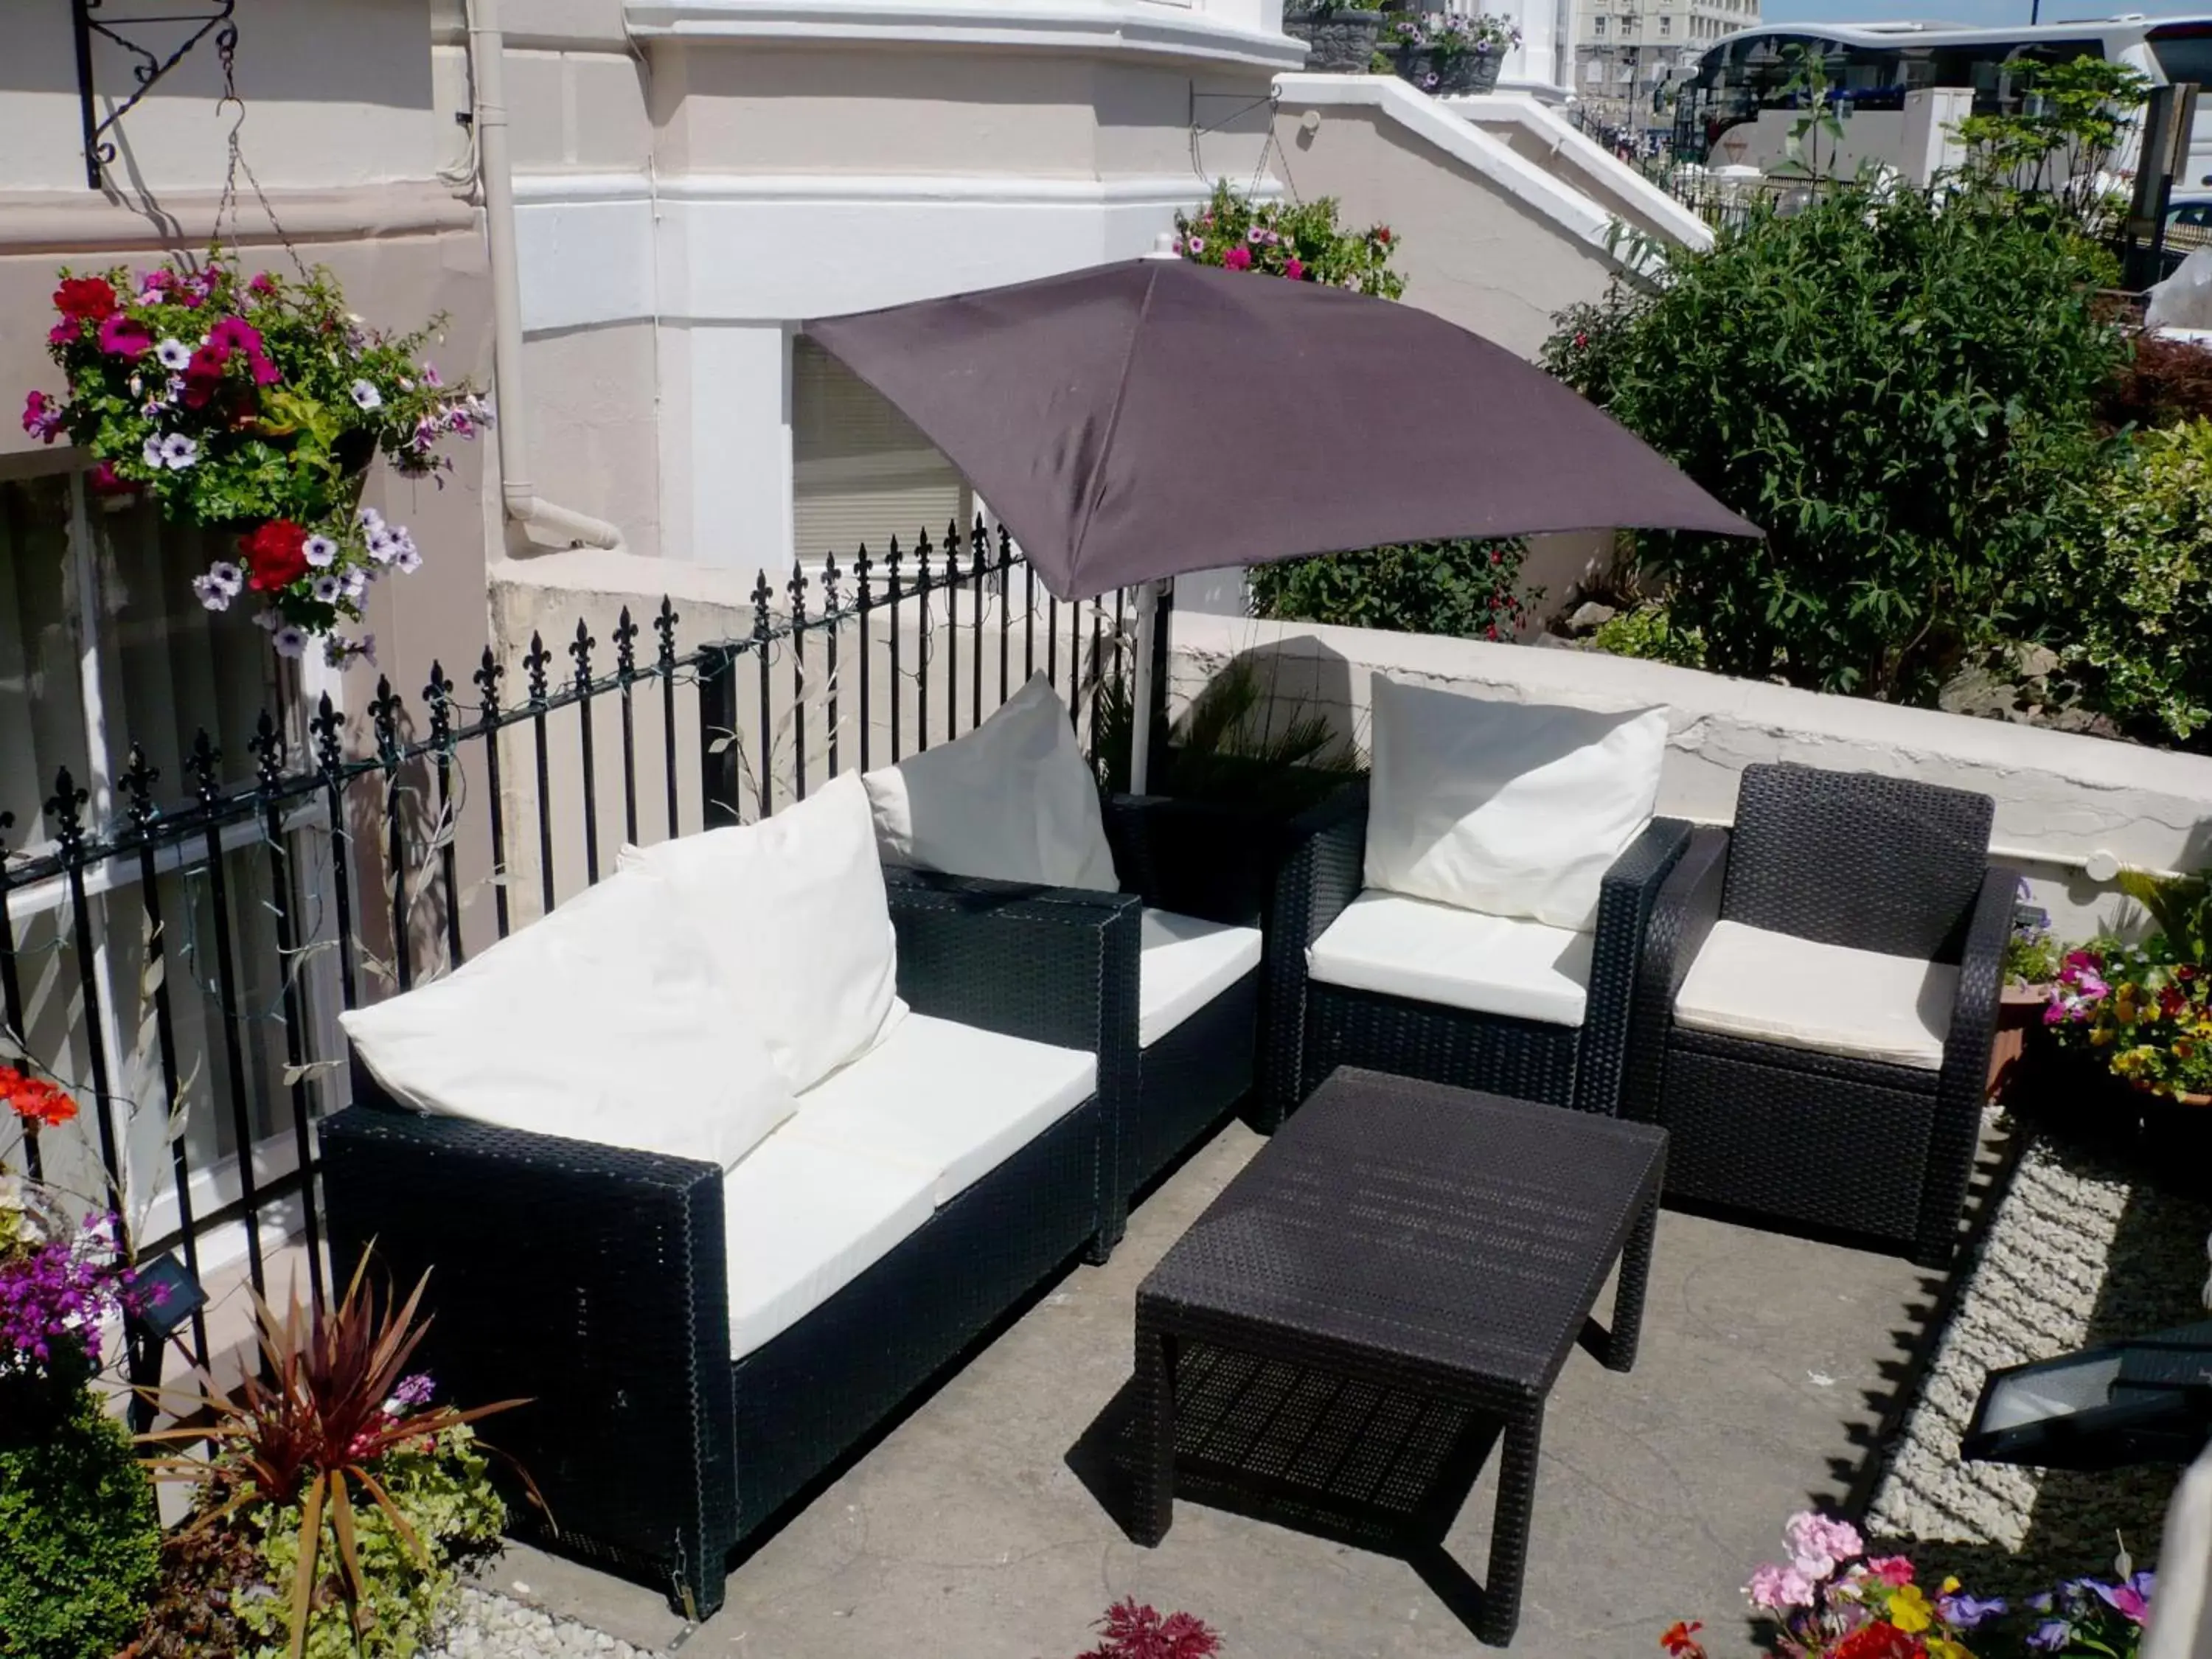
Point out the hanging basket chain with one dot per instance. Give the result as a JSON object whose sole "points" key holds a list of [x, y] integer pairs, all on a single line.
{"points": [[227, 52]]}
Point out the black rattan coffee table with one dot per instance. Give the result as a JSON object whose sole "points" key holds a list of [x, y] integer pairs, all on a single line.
{"points": [[1412, 1237]]}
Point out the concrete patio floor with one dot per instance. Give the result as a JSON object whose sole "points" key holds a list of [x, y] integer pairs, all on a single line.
{"points": [[1766, 1362]]}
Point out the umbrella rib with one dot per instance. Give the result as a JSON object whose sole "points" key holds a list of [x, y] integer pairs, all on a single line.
{"points": [[1097, 481]]}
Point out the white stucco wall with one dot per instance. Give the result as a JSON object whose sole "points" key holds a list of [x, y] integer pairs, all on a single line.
{"points": [[2065, 804]]}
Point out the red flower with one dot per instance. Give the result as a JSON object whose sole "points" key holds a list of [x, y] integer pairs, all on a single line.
{"points": [[276, 555], [34, 1099], [84, 300], [1879, 1640], [1681, 1640], [1295, 268], [107, 481], [1382, 234], [204, 375], [1133, 1631]]}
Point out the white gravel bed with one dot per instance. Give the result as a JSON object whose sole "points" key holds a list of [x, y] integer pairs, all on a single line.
{"points": [[2077, 1254], [487, 1625]]}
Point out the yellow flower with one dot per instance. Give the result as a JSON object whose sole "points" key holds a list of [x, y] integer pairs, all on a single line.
{"points": [[1909, 1610], [1949, 1587], [2100, 1036], [1942, 1647]]}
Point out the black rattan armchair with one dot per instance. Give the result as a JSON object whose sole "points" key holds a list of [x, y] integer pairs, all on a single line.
{"points": [[1832, 1140], [592, 1280], [1314, 1027]]}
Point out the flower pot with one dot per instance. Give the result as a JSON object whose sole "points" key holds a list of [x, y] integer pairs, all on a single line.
{"points": [[1339, 42], [1447, 74], [2020, 1011]]}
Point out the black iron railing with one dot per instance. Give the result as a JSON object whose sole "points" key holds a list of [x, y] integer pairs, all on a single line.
{"points": [[349, 864]]}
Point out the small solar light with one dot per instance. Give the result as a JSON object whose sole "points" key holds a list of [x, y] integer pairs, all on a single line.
{"points": [[2145, 1400], [165, 1295]]}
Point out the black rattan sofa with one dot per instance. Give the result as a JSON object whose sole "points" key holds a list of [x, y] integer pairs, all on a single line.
{"points": [[1315, 1027], [1833, 1140], [592, 1279]]}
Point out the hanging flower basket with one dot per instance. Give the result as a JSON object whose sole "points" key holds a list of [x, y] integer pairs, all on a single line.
{"points": [[1341, 37], [1450, 52], [252, 408]]}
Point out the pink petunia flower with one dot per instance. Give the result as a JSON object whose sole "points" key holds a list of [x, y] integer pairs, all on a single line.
{"points": [[120, 336], [1295, 268], [1237, 259], [42, 417], [235, 334]]}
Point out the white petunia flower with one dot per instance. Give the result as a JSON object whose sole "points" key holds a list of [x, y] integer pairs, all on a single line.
{"points": [[152, 451], [290, 641], [174, 354], [268, 620], [366, 394], [178, 452], [226, 576], [383, 545], [211, 594], [356, 582], [369, 519], [328, 590], [320, 551]]}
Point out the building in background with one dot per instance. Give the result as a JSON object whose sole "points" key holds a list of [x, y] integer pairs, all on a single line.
{"points": [[1631, 56]]}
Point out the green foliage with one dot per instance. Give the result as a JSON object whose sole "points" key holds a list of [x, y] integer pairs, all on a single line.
{"points": [[2128, 589], [80, 1543], [1648, 632], [2054, 152], [1810, 88], [2180, 908], [1898, 389], [1301, 241], [440, 1486], [1469, 589]]}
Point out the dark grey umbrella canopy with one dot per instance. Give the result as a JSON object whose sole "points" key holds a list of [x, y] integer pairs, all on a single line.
{"points": [[1134, 421]]}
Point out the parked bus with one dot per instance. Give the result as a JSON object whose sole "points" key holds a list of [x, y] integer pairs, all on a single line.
{"points": [[1871, 66]]}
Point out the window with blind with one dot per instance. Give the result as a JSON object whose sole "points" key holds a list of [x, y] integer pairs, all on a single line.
{"points": [[103, 646], [860, 472]]}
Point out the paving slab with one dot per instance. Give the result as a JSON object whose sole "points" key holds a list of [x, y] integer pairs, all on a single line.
{"points": [[1767, 1362]]}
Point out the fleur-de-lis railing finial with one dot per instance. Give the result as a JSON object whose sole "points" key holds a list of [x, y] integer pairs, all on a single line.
{"points": [[580, 649], [268, 747], [439, 695], [384, 711], [625, 647], [665, 625], [488, 675], [534, 665], [138, 780]]}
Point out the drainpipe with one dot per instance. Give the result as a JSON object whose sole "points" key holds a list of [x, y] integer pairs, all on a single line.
{"points": [[487, 64]]}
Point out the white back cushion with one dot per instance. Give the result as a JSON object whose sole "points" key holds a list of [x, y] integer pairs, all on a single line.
{"points": [[1511, 809], [605, 1021], [1013, 801], [794, 910]]}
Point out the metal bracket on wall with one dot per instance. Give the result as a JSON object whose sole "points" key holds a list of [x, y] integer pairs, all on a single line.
{"points": [[96, 18]]}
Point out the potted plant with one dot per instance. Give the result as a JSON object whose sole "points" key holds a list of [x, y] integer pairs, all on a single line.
{"points": [[2032, 963], [252, 406], [1340, 34], [2142, 1011], [337, 1506], [1449, 52], [1298, 241]]}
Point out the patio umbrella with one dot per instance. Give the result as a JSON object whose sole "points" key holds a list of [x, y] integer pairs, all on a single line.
{"points": [[1132, 422]]}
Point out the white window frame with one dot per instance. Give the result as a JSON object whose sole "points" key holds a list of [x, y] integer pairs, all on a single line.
{"points": [[215, 1184]]}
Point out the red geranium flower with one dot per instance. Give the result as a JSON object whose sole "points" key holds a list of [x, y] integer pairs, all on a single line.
{"points": [[204, 375], [1879, 1640], [276, 555], [1681, 1640], [34, 1099], [84, 300]]}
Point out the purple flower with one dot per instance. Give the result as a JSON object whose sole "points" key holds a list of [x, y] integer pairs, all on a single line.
{"points": [[1255, 235], [1197, 246], [2131, 1600], [411, 1394], [42, 417], [1964, 1612], [2050, 1636]]}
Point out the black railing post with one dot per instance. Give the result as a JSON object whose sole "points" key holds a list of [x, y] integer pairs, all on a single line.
{"points": [[11, 994], [533, 666], [384, 711], [486, 677], [834, 623], [665, 625], [764, 770], [439, 695], [202, 763], [580, 649], [720, 797], [270, 772], [626, 676], [66, 809], [798, 589], [324, 726]]}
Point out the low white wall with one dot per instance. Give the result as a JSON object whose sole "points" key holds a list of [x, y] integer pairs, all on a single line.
{"points": [[2065, 804]]}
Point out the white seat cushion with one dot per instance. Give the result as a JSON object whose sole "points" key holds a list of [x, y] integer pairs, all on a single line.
{"points": [[800, 1221], [1013, 801], [1777, 988], [1185, 963], [950, 1100], [606, 1021], [1428, 952], [795, 910], [1512, 809]]}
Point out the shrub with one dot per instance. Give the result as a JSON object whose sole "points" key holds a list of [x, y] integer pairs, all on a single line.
{"points": [[1896, 393], [1466, 588], [80, 1542], [1648, 632], [2129, 591]]}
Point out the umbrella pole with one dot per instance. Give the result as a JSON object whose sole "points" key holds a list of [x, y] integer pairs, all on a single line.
{"points": [[1140, 700]]}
